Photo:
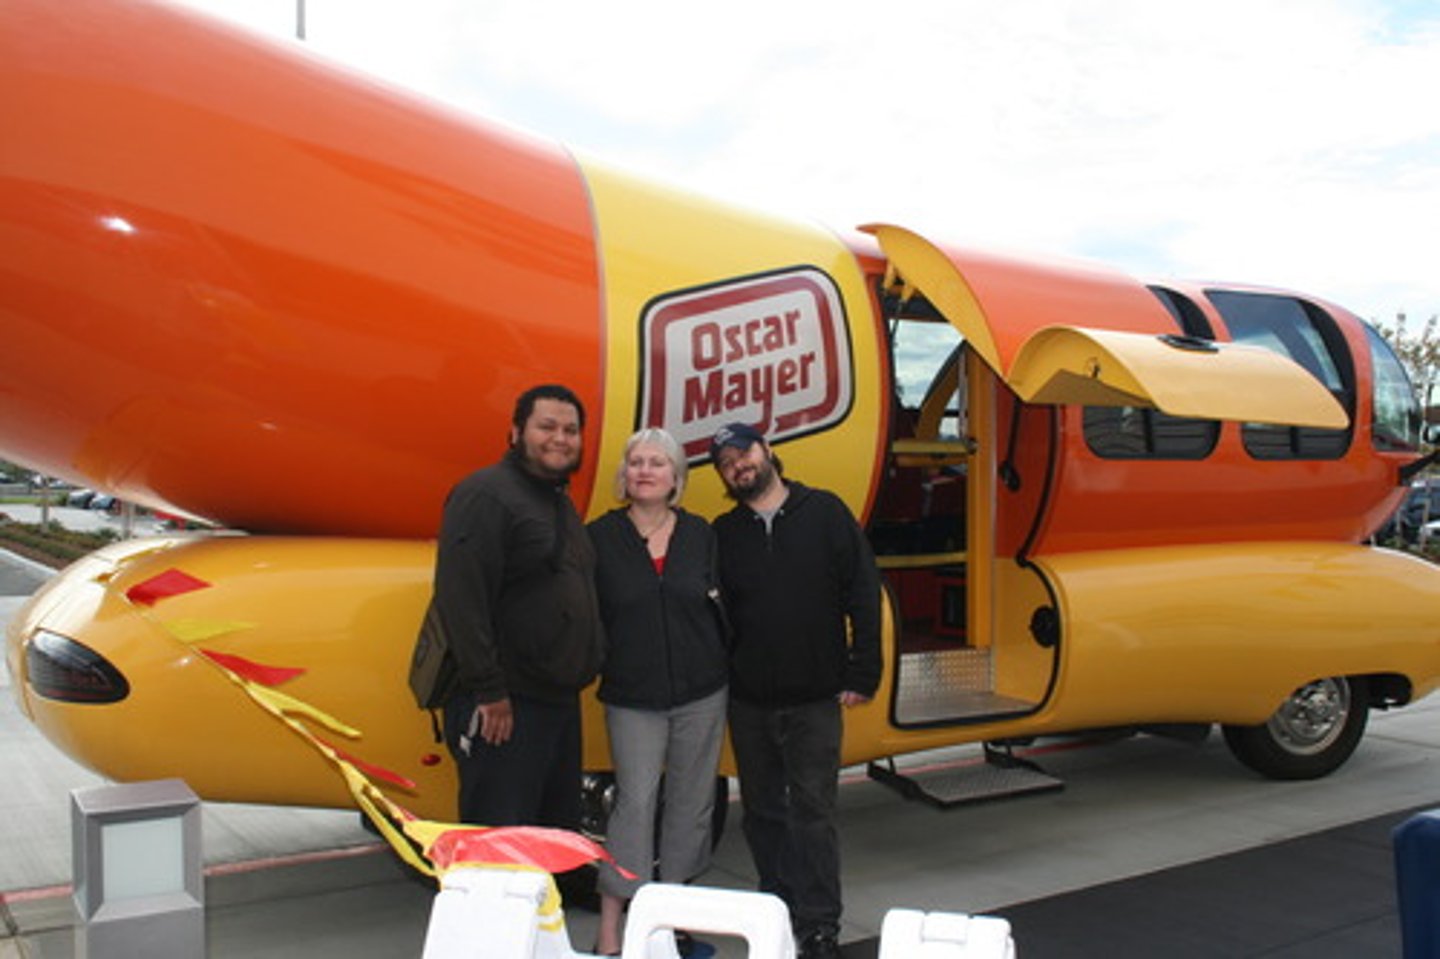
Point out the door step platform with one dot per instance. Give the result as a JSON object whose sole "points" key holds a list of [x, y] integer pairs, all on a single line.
{"points": [[998, 774]]}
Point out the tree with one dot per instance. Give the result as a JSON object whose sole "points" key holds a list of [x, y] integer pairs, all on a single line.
{"points": [[1418, 351]]}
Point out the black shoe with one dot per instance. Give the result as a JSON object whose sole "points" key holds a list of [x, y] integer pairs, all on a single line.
{"points": [[820, 944], [577, 889]]}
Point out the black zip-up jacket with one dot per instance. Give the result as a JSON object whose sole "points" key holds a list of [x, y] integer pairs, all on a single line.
{"points": [[515, 586], [664, 644], [789, 593]]}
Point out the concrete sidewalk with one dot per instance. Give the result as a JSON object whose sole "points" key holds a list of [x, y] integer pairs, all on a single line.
{"points": [[352, 902], [253, 854], [279, 881]]}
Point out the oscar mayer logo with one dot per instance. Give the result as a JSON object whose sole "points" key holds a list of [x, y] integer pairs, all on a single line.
{"points": [[772, 351]]}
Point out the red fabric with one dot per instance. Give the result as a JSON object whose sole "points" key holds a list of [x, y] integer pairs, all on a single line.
{"points": [[172, 582], [659, 562], [370, 769], [253, 671], [554, 850]]}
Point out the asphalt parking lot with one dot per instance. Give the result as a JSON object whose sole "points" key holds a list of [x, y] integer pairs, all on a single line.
{"points": [[83, 520]]}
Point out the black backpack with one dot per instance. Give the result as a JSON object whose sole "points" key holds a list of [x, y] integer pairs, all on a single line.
{"points": [[432, 666]]}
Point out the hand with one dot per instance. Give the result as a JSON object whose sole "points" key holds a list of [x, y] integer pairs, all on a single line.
{"points": [[850, 698], [496, 721]]}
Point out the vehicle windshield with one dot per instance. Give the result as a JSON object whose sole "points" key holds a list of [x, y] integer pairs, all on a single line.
{"points": [[1397, 414]]}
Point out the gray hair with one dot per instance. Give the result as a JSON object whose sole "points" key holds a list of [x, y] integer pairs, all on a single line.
{"points": [[657, 437]]}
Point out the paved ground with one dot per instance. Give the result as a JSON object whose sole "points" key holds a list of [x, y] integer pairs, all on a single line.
{"points": [[1328, 894], [1135, 813]]}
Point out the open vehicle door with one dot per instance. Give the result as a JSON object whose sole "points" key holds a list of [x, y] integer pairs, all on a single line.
{"points": [[1025, 334]]}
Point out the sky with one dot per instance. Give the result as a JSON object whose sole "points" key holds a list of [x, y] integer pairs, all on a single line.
{"points": [[1290, 143]]}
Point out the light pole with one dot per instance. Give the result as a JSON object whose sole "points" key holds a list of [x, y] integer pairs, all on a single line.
{"points": [[300, 19]]}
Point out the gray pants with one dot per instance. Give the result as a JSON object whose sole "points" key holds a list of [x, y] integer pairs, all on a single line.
{"points": [[683, 744]]}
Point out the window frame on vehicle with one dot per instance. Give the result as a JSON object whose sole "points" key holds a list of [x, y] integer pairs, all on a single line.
{"points": [[1392, 398], [1144, 433], [1317, 345]]}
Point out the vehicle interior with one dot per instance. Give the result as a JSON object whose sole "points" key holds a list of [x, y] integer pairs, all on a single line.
{"points": [[934, 552]]}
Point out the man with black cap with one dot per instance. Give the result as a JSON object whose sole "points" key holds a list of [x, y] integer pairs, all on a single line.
{"points": [[796, 571]]}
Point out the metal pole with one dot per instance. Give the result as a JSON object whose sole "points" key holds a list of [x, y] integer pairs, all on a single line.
{"points": [[300, 19]]}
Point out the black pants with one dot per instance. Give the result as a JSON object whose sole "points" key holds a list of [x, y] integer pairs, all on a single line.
{"points": [[788, 758], [531, 780]]}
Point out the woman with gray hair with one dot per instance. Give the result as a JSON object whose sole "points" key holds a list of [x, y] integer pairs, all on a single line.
{"points": [[665, 674]]}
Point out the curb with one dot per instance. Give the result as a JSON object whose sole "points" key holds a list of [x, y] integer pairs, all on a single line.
{"points": [[27, 563]]}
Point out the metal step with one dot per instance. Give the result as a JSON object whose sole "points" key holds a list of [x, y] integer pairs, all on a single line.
{"points": [[999, 774]]}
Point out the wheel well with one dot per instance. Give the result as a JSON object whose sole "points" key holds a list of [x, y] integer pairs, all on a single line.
{"points": [[1388, 689]]}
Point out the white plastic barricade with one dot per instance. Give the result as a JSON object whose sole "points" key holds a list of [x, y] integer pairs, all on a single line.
{"points": [[495, 912], [660, 908], [911, 934], [499, 912]]}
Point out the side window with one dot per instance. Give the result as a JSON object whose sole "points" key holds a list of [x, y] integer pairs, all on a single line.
{"points": [[1397, 415], [1132, 432], [1305, 334], [1191, 320]]}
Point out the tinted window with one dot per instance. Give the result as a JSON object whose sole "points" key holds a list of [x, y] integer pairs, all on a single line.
{"points": [[1132, 432], [1308, 336]]}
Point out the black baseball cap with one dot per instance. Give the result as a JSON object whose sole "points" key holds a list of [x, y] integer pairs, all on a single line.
{"points": [[742, 436]]}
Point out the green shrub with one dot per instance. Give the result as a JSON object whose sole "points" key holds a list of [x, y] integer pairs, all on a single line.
{"points": [[52, 543]]}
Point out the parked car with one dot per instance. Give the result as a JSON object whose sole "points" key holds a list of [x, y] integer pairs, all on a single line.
{"points": [[79, 497], [1420, 506], [41, 481], [105, 502]]}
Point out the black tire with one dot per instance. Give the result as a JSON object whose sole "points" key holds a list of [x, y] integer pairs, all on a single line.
{"points": [[598, 799], [1310, 735]]}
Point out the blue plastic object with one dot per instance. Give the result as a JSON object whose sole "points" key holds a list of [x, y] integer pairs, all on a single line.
{"points": [[1417, 879]]}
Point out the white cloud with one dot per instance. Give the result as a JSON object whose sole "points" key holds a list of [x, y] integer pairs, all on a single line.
{"points": [[1285, 142]]}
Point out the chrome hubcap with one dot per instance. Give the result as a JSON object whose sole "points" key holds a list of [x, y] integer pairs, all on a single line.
{"points": [[1313, 717]]}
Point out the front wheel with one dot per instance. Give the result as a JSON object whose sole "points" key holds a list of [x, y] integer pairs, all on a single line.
{"points": [[1310, 735]]}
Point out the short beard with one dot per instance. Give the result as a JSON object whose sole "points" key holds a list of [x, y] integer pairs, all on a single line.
{"points": [[765, 475]]}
